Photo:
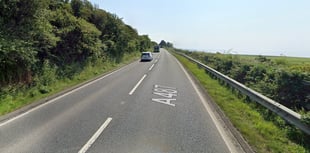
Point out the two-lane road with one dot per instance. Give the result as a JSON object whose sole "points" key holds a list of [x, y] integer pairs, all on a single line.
{"points": [[145, 107]]}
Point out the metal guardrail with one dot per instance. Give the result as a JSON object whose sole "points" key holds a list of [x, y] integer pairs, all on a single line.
{"points": [[284, 112]]}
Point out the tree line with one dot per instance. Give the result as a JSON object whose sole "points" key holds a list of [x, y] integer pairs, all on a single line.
{"points": [[60, 35], [164, 44]]}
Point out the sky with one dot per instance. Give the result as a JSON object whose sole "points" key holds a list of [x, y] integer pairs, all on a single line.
{"points": [[258, 27]]}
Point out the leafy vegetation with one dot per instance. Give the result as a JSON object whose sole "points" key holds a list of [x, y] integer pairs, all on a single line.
{"points": [[163, 44], [264, 131], [278, 78], [45, 43]]}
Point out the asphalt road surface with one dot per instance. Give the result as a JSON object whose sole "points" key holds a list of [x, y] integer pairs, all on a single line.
{"points": [[144, 107]]}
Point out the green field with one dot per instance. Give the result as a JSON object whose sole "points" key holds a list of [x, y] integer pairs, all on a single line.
{"points": [[289, 60], [285, 61]]}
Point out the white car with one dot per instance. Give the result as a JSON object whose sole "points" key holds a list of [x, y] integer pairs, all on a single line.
{"points": [[146, 56]]}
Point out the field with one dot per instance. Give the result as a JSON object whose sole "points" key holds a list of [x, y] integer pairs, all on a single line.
{"points": [[287, 59], [284, 60]]}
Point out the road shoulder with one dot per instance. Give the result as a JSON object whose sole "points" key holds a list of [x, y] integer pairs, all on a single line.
{"points": [[239, 143]]}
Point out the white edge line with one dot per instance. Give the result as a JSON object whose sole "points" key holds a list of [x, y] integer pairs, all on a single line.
{"points": [[95, 136], [151, 67], [210, 112], [57, 98], [136, 86]]}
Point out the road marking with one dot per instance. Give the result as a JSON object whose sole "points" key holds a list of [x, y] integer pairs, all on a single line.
{"points": [[156, 61], [161, 86], [136, 86], [221, 130], [57, 98], [167, 92], [164, 101], [95, 136], [166, 95], [151, 67]]}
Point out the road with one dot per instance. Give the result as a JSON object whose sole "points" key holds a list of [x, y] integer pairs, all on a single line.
{"points": [[144, 107]]}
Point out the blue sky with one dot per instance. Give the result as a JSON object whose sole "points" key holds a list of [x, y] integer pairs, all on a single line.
{"points": [[261, 27]]}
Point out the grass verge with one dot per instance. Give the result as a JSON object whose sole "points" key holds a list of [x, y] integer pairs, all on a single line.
{"points": [[263, 135], [19, 97]]}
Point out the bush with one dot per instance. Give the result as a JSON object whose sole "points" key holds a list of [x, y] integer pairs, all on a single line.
{"points": [[286, 84], [48, 74], [305, 118], [17, 57], [42, 42]]}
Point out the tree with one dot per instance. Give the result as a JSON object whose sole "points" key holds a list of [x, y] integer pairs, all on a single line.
{"points": [[18, 16], [145, 43], [78, 39], [169, 44], [16, 59], [76, 6], [162, 43], [61, 35]]}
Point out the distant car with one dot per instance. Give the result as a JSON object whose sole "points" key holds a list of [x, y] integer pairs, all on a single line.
{"points": [[146, 56], [156, 49]]}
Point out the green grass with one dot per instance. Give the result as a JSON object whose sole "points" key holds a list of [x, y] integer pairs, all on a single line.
{"points": [[19, 97], [301, 64], [288, 60], [263, 136]]}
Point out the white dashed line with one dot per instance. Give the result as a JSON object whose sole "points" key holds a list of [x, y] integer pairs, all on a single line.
{"points": [[136, 86], [95, 136], [151, 67]]}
